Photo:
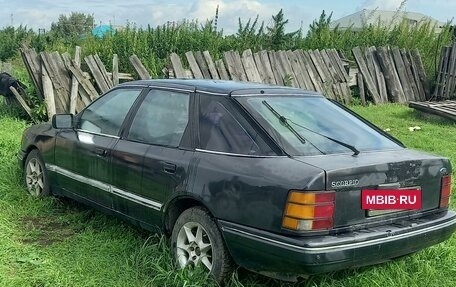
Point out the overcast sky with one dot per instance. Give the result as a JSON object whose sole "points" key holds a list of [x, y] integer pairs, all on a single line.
{"points": [[41, 13]]}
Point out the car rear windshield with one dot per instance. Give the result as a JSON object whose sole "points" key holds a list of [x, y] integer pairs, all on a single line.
{"points": [[309, 125]]}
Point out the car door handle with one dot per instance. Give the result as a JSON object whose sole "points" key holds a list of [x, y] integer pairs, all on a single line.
{"points": [[100, 152], [169, 167]]}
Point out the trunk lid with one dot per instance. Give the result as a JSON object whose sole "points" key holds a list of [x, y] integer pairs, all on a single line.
{"points": [[348, 175]]}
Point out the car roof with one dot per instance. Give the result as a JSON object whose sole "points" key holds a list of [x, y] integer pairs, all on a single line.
{"points": [[221, 87]]}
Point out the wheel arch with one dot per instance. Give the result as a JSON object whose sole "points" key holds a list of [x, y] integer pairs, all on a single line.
{"points": [[176, 206], [27, 152]]}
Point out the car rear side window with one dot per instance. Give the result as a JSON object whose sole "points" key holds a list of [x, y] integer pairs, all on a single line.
{"points": [[161, 119], [106, 115], [221, 132]]}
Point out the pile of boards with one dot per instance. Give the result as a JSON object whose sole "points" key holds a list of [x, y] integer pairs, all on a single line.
{"points": [[316, 70], [446, 78], [61, 83], [445, 109], [391, 75]]}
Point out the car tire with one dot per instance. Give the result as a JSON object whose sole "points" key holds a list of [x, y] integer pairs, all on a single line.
{"points": [[196, 241], [35, 175]]}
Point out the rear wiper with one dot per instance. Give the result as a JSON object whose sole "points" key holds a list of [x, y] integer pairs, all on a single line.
{"points": [[285, 121]]}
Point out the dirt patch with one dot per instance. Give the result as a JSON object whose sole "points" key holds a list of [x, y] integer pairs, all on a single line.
{"points": [[45, 231]]}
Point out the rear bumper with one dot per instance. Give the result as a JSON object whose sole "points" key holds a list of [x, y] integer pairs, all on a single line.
{"points": [[272, 254]]}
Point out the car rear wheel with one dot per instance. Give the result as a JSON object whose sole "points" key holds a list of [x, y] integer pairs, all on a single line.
{"points": [[197, 241], [36, 179]]}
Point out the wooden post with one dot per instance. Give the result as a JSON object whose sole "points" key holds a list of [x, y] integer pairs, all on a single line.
{"points": [[362, 92], [74, 82], [115, 70]]}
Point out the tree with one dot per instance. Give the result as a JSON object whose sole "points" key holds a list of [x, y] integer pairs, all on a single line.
{"points": [[276, 33], [74, 25]]}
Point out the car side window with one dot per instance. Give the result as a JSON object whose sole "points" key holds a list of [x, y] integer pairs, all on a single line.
{"points": [[220, 131], [161, 119], [106, 115]]}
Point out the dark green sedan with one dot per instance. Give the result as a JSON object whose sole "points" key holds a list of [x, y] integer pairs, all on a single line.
{"points": [[280, 181]]}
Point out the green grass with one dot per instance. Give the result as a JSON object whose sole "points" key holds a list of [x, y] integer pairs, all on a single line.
{"points": [[55, 242]]}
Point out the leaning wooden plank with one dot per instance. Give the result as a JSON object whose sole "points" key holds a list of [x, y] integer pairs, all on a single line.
{"points": [[83, 81], [391, 77], [445, 78], [230, 65], [312, 70], [416, 59], [379, 74], [297, 69], [60, 91], [369, 57], [416, 77], [262, 57], [21, 101], [74, 82], [443, 84], [303, 71], [32, 63], [48, 92], [97, 74], [179, 71], [250, 67], [139, 68], [234, 66], [83, 96], [211, 65], [439, 73], [103, 71], [279, 74], [338, 62], [238, 65], [335, 76], [222, 70], [202, 64], [286, 66], [260, 67], [370, 84], [410, 76], [197, 74], [64, 77], [115, 70], [400, 68], [322, 73]]}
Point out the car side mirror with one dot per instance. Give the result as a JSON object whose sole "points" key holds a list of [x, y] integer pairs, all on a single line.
{"points": [[62, 121]]}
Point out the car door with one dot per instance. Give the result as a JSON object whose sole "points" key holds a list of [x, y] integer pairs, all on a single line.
{"points": [[151, 160], [82, 155]]}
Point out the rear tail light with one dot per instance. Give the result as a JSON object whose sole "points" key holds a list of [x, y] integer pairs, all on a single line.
{"points": [[309, 210], [445, 191]]}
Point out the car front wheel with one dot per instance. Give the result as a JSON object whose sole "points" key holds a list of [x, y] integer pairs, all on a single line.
{"points": [[196, 241], [36, 179]]}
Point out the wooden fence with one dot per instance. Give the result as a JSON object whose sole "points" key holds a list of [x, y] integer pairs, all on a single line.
{"points": [[61, 83], [383, 74], [391, 75], [322, 71], [446, 78]]}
